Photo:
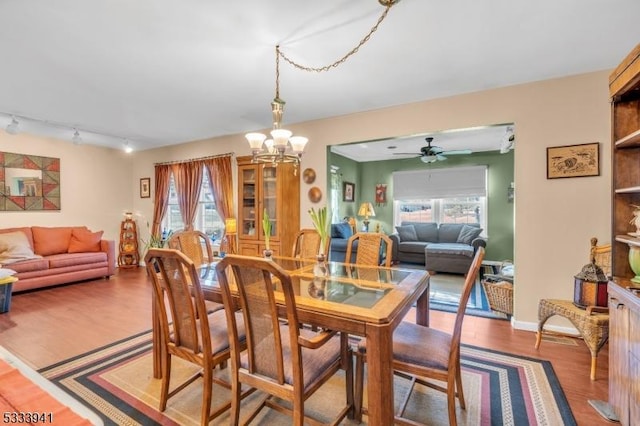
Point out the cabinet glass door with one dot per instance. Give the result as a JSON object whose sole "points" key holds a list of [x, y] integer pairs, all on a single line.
{"points": [[269, 198], [248, 205]]}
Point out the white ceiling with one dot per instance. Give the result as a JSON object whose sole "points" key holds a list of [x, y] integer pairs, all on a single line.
{"points": [[160, 72]]}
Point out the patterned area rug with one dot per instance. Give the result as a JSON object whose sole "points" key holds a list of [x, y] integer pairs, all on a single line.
{"points": [[500, 389]]}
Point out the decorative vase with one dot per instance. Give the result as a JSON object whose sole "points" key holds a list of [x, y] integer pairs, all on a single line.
{"points": [[320, 269], [635, 221], [316, 288], [634, 262], [267, 254]]}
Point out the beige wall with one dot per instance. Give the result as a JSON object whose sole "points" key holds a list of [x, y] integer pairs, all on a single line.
{"points": [[95, 186], [554, 218]]}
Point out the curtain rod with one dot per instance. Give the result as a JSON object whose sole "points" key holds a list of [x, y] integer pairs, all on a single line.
{"points": [[228, 154]]}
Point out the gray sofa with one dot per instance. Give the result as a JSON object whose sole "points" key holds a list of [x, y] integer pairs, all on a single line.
{"points": [[448, 247]]}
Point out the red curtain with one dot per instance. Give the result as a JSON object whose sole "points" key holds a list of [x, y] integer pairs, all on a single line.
{"points": [[188, 180], [221, 178]]}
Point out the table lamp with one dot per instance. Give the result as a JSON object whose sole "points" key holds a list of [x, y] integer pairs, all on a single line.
{"points": [[366, 210], [230, 229]]}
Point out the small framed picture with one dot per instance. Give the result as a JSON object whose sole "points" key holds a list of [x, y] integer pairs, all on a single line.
{"points": [[145, 187], [573, 161], [348, 191]]}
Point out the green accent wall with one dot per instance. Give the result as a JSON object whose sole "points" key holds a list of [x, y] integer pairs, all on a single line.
{"points": [[500, 175]]}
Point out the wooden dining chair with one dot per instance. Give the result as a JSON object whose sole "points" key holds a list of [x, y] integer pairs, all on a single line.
{"points": [[423, 354], [369, 247], [196, 245], [186, 330], [287, 363], [307, 244]]}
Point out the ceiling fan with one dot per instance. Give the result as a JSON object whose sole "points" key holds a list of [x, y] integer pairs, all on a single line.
{"points": [[431, 154]]}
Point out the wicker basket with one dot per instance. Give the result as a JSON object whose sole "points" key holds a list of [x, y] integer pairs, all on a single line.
{"points": [[500, 296]]}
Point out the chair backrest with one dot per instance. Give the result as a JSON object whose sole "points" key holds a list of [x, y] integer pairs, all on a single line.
{"points": [[370, 245], [601, 256], [180, 306], [254, 279], [307, 244], [195, 244], [470, 280]]}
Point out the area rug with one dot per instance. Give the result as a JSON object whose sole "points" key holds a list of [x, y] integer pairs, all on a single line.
{"points": [[500, 389], [445, 292]]}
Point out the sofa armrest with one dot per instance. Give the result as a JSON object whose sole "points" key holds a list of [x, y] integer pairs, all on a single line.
{"points": [[395, 239], [109, 247], [478, 242]]}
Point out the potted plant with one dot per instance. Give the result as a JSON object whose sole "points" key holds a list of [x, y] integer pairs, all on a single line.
{"points": [[266, 228], [320, 219]]}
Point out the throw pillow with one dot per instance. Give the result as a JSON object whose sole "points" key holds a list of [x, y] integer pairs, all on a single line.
{"points": [[407, 233], [343, 230], [14, 246], [468, 234], [83, 240], [51, 240]]}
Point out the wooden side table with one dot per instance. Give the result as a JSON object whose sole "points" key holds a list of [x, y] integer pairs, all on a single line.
{"points": [[593, 326]]}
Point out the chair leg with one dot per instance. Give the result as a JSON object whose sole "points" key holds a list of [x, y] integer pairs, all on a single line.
{"points": [[359, 387], [207, 376], [166, 377], [451, 401]]}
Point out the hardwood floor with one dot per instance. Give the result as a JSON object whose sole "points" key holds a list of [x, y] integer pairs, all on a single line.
{"points": [[47, 326]]}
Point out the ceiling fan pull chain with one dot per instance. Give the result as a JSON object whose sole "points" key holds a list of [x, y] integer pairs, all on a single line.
{"points": [[365, 39]]}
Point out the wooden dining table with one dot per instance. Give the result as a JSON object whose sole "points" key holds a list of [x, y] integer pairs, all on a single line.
{"points": [[365, 301]]}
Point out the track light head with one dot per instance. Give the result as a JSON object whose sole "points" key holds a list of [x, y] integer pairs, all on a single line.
{"points": [[76, 139], [13, 128]]}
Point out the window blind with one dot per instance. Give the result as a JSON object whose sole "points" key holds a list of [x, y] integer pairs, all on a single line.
{"points": [[440, 183]]}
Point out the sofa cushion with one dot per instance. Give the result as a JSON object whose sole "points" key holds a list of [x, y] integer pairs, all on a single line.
{"points": [[427, 231], [340, 244], [449, 249], [73, 259], [341, 230], [468, 234], [30, 265], [83, 240], [448, 232], [14, 247], [407, 233], [412, 247]]}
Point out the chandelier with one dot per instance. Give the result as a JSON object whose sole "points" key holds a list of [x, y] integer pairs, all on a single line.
{"points": [[283, 147]]}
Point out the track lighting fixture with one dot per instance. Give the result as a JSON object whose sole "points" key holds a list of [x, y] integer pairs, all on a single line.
{"points": [[127, 148], [13, 128]]}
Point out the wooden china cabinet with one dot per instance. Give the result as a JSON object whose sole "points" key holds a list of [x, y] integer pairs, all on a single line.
{"points": [[624, 303], [276, 188]]}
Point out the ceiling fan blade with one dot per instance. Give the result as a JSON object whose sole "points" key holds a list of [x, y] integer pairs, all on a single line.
{"points": [[440, 157], [457, 152]]}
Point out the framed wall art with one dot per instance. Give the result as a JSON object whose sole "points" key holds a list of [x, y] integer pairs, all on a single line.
{"points": [[573, 161], [29, 182], [348, 191], [145, 187]]}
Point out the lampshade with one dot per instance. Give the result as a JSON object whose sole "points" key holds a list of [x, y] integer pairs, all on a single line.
{"points": [[231, 225], [366, 210]]}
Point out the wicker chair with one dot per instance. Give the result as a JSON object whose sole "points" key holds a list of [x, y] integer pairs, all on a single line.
{"points": [[193, 244], [307, 244], [422, 353], [285, 362], [186, 330], [370, 245]]}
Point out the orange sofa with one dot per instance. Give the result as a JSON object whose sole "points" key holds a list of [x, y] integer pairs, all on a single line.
{"points": [[47, 256]]}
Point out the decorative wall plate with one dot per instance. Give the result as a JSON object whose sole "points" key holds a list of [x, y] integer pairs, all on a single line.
{"points": [[309, 175], [315, 194]]}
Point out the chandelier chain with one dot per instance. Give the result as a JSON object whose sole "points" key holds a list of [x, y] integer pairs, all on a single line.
{"points": [[339, 61]]}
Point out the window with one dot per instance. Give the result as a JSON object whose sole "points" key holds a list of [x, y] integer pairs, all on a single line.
{"points": [[207, 218], [442, 210]]}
